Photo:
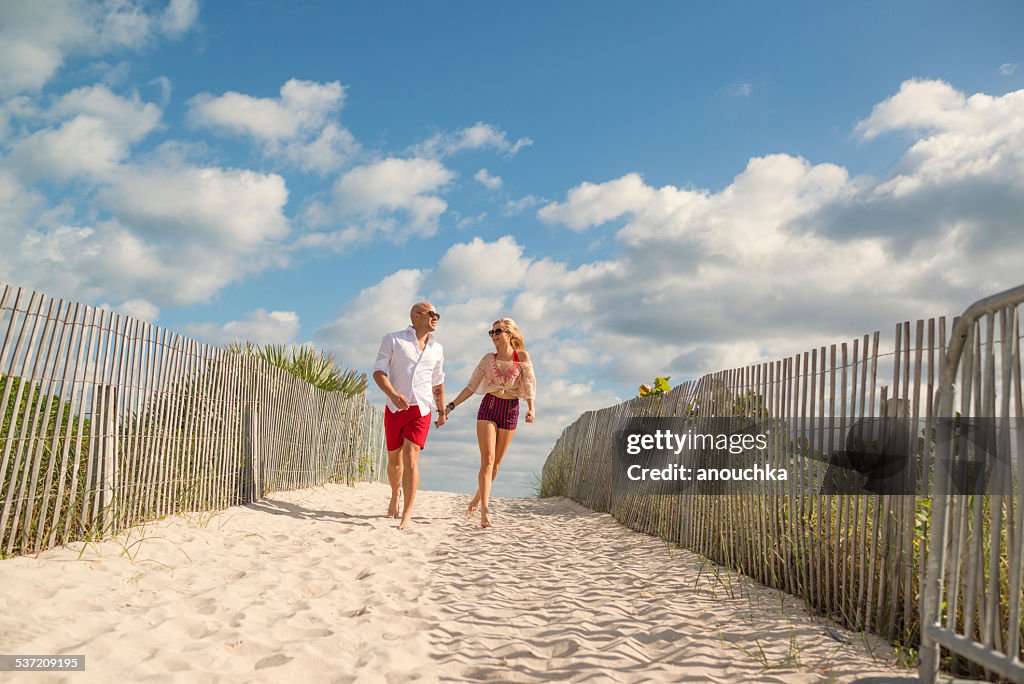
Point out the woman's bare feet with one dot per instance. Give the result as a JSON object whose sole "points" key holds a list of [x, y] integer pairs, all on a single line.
{"points": [[406, 523], [485, 520]]}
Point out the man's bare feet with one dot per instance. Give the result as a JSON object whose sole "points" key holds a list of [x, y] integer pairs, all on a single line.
{"points": [[393, 506]]}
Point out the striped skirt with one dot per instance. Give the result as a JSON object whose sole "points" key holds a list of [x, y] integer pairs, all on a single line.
{"points": [[502, 412]]}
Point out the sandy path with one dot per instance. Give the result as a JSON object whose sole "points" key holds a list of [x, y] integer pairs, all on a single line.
{"points": [[317, 586]]}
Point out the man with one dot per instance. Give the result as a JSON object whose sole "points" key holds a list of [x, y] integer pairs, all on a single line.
{"points": [[410, 371]]}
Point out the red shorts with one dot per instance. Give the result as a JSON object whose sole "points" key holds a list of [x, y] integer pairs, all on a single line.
{"points": [[405, 425]]}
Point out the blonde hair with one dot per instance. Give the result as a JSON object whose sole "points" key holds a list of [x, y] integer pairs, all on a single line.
{"points": [[515, 336]]}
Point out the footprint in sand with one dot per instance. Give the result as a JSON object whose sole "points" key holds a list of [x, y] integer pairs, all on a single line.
{"points": [[207, 607], [273, 661]]}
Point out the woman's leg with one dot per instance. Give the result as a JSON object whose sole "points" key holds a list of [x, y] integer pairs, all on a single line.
{"points": [[501, 442], [486, 436]]}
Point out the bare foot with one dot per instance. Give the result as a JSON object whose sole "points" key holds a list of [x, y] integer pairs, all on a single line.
{"points": [[485, 520], [470, 511], [405, 524], [393, 507]]}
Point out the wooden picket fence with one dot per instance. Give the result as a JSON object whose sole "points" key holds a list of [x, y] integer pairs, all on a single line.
{"points": [[109, 421], [859, 558]]}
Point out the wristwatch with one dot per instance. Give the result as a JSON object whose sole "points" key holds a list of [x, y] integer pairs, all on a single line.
{"points": [[450, 406]]}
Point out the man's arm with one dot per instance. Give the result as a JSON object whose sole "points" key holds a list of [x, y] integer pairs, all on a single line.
{"points": [[380, 374], [439, 404], [437, 382], [381, 378]]}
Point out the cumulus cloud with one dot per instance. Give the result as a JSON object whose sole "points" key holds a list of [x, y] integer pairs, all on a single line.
{"points": [[36, 37], [93, 132], [297, 126], [179, 16], [355, 334], [209, 206], [920, 106], [259, 327], [161, 230], [592, 204], [792, 253], [137, 308], [481, 267], [484, 177], [395, 197], [476, 137]]}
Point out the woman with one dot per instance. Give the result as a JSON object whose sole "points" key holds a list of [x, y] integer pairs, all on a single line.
{"points": [[503, 377]]}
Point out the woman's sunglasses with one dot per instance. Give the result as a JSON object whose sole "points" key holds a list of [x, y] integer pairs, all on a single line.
{"points": [[496, 331]]}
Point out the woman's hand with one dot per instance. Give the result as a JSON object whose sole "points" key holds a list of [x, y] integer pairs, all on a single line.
{"points": [[529, 416]]}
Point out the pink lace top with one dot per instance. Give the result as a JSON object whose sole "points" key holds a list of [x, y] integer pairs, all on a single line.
{"points": [[509, 378]]}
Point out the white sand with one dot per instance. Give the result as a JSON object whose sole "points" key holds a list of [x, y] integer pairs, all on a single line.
{"points": [[317, 586]]}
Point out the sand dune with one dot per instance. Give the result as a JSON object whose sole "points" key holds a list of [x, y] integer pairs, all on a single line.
{"points": [[317, 586]]}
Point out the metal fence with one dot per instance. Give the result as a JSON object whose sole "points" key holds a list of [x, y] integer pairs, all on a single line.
{"points": [[860, 558], [109, 421]]}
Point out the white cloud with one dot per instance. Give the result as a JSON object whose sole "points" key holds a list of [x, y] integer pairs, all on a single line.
{"points": [[36, 37], [233, 208], [781, 257], [590, 205], [919, 106], [337, 241], [179, 17], [477, 136], [971, 148], [484, 177], [175, 233], [480, 267], [165, 86], [150, 230], [329, 150], [355, 334], [377, 191], [297, 126], [513, 207], [139, 309], [470, 221], [1008, 69], [97, 133], [259, 327]]}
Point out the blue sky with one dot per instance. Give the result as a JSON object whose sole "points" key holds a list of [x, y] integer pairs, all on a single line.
{"points": [[653, 188]]}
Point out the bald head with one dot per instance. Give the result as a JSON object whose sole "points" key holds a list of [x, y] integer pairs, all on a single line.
{"points": [[424, 317], [419, 307]]}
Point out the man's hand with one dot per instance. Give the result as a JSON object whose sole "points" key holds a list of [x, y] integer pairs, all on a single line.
{"points": [[441, 419], [399, 401]]}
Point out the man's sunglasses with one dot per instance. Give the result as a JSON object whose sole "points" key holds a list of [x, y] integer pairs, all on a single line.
{"points": [[433, 314], [496, 331]]}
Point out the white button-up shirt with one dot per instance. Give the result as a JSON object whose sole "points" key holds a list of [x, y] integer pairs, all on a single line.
{"points": [[413, 373]]}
